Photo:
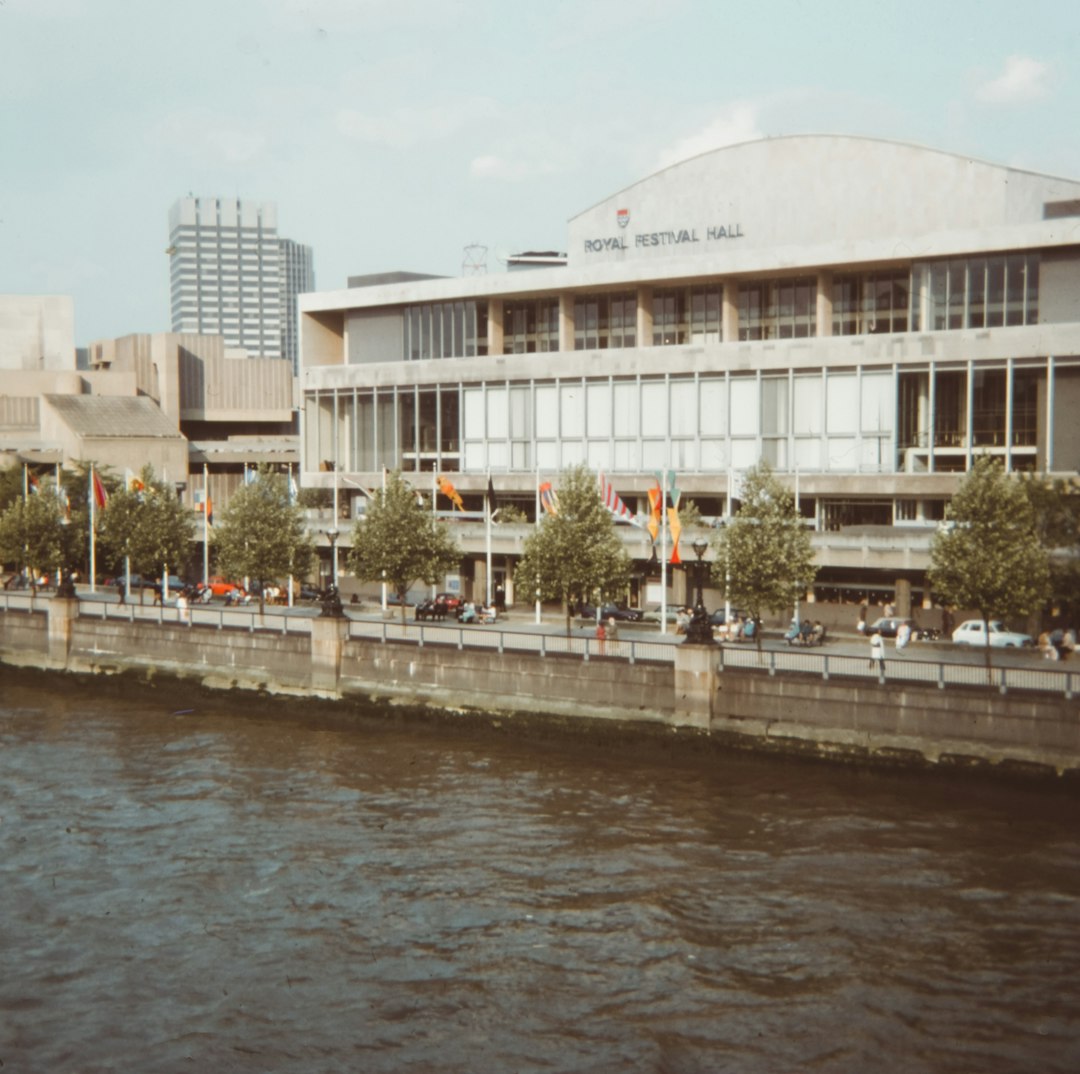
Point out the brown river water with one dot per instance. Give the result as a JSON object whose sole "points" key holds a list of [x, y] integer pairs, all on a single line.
{"points": [[192, 882]]}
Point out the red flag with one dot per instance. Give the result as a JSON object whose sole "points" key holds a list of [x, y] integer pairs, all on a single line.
{"points": [[101, 497]]}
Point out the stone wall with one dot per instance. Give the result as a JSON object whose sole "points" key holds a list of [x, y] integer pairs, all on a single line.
{"points": [[788, 711]]}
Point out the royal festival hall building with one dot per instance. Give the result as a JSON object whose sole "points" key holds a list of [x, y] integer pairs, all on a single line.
{"points": [[866, 316]]}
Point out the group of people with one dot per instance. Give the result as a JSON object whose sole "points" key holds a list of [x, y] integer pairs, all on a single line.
{"points": [[470, 613], [738, 629], [1057, 644], [805, 633]]}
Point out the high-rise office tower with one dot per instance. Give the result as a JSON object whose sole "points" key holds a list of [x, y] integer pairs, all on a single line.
{"points": [[229, 275], [297, 276]]}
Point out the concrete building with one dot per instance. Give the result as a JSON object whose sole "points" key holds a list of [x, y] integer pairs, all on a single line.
{"points": [[37, 333], [866, 316], [232, 275], [233, 412], [297, 278]]}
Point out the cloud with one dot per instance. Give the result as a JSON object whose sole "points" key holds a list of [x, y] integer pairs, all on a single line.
{"points": [[1024, 79], [738, 122], [202, 134], [407, 127]]}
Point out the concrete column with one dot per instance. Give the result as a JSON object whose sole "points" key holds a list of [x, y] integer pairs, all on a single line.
{"points": [[824, 303], [496, 330], [697, 680], [328, 636], [644, 317], [730, 312], [566, 322], [61, 613], [903, 598]]}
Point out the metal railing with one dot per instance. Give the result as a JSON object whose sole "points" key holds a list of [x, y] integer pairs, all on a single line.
{"points": [[903, 669], [505, 641], [212, 615], [1042, 677]]}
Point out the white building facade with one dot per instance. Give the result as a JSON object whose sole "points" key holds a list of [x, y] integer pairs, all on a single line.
{"points": [[225, 272], [866, 316]]}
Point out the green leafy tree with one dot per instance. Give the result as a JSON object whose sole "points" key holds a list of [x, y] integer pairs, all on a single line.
{"points": [[764, 555], [988, 555], [576, 554], [261, 535], [150, 525], [1056, 505], [399, 542], [32, 533]]}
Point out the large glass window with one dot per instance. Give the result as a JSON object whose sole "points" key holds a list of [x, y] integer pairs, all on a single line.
{"points": [[445, 330], [603, 321], [778, 309], [706, 306], [670, 322], [531, 326], [978, 292], [873, 302]]}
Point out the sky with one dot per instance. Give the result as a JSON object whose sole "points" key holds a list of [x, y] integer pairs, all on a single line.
{"points": [[394, 134]]}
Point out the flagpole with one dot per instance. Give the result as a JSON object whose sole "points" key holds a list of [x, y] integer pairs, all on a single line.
{"points": [[93, 559], [537, 492], [289, 600], [663, 552], [487, 520], [206, 525]]}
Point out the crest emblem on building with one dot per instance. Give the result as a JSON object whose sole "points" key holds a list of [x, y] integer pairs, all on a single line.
{"points": [[623, 217]]}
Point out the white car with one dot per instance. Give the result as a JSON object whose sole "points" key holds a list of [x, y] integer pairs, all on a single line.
{"points": [[973, 632]]}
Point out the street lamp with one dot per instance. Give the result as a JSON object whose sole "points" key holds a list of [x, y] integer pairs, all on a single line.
{"points": [[699, 629], [332, 536], [331, 604]]}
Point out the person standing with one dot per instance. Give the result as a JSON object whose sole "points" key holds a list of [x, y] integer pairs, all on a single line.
{"points": [[903, 636], [877, 652]]}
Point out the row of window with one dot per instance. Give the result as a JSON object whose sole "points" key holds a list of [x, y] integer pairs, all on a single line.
{"points": [[849, 421], [982, 292]]}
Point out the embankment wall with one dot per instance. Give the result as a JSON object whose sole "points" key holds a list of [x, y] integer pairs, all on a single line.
{"points": [[789, 711]]}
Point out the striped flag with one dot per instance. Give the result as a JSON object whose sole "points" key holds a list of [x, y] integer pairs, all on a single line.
{"points": [[613, 503], [549, 498]]}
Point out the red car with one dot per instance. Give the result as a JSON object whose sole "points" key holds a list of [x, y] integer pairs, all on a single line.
{"points": [[220, 587]]}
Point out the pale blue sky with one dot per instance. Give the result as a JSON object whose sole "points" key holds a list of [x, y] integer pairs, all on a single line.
{"points": [[393, 133]]}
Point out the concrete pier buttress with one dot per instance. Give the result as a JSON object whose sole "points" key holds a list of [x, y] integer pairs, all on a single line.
{"points": [[327, 642], [696, 683]]}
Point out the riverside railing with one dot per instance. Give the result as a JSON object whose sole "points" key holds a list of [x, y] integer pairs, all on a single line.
{"points": [[1038, 677], [904, 669], [246, 617], [506, 641]]}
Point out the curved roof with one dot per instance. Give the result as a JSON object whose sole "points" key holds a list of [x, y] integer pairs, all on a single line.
{"points": [[809, 190]]}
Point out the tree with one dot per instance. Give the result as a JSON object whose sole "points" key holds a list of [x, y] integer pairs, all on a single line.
{"points": [[1056, 504], [32, 533], [399, 542], [149, 525], [575, 554], [988, 555], [261, 534], [764, 557]]}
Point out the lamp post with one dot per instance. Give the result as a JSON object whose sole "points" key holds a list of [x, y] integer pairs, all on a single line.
{"points": [[331, 604], [699, 629], [332, 536]]}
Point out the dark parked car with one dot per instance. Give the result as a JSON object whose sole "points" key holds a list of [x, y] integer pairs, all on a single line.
{"points": [[888, 626], [619, 612], [718, 619]]}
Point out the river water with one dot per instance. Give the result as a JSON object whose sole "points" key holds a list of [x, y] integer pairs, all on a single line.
{"points": [[223, 885]]}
